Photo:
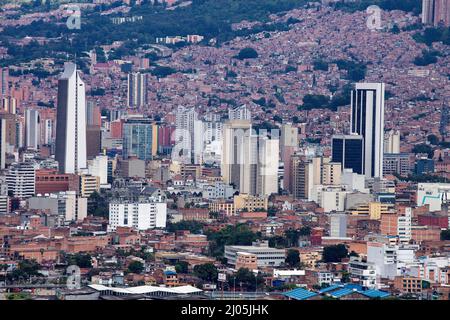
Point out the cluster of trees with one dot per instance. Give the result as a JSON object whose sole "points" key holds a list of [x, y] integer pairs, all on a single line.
{"points": [[423, 148], [427, 58], [334, 253], [431, 35], [82, 260], [135, 267], [238, 234], [193, 226], [98, 205], [26, 270], [318, 101], [210, 18], [361, 5], [445, 235], [247, 53], [290, 238]]}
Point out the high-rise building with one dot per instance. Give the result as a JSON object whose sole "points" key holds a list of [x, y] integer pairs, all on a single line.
{"points": [[137, 89], [188, 135], [21, 180], [349, 151], [436, 12], [268, 166], [137, 138], [141, 215], [240, 113], [32, 129], [2, 143], [239, 156], [93, 114], [338, 225], [392, 142], [9, 104], [302, 176], [71, 121], [4, 82], [367, 120], [288, 146]]}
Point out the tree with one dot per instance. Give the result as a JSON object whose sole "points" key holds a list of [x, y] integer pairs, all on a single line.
{"points": [[136, 267], [445, 235], [423, 148], [246, 278], [335, 253], [238, 234], [98, 205], [207, 272], [192, 226], [433, 139], [82, 260], [182, 267], [293, 258], [247, 53]]}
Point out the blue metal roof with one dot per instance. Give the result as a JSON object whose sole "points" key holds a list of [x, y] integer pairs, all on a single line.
{"points": [[342, 292], [300, 294], [330, 288], [374, 293]]}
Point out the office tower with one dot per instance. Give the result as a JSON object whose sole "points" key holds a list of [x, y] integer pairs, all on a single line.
{"points": [[155, 130], [48, 131], [11, 136], [2, 143], [137, 138], [441, 13], [93, 141], [302, 176], [188, 135], [32, 129], [71, 121], [212, 129], [338, 225], [268, 150], [21, 180], [20, 141], [239, 156], [4, 82], [9, 104], [436, 12], [367, 120], [428, 11], [349, 151], [137, 89], [288, 146], [93, 114], [392, 142], [239, 113]]}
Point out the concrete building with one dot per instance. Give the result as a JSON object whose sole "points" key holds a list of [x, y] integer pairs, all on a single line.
{"points": [[136, 90], [338, 225], [265, 256], [432, 194], [392, 142], [349, 151], [98, 167], [2, 143], [21, 180], [250, 203], [363, 273], [32, 129], [268, 166], [142, 215], [62, 207], [71, 122], [88, 185], [239, 157]]}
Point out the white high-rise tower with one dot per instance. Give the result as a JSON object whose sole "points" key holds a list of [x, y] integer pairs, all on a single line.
{"points": [[367, 120], [71, 121]]}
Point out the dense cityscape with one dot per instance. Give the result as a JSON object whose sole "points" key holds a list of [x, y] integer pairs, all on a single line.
{"points": [[225, 150]]}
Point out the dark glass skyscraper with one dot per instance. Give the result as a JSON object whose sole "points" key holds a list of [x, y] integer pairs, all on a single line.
{"points": [[348, 150]]}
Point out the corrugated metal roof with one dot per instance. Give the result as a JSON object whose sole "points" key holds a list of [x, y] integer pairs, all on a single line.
{"points": [[300, 294]]}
